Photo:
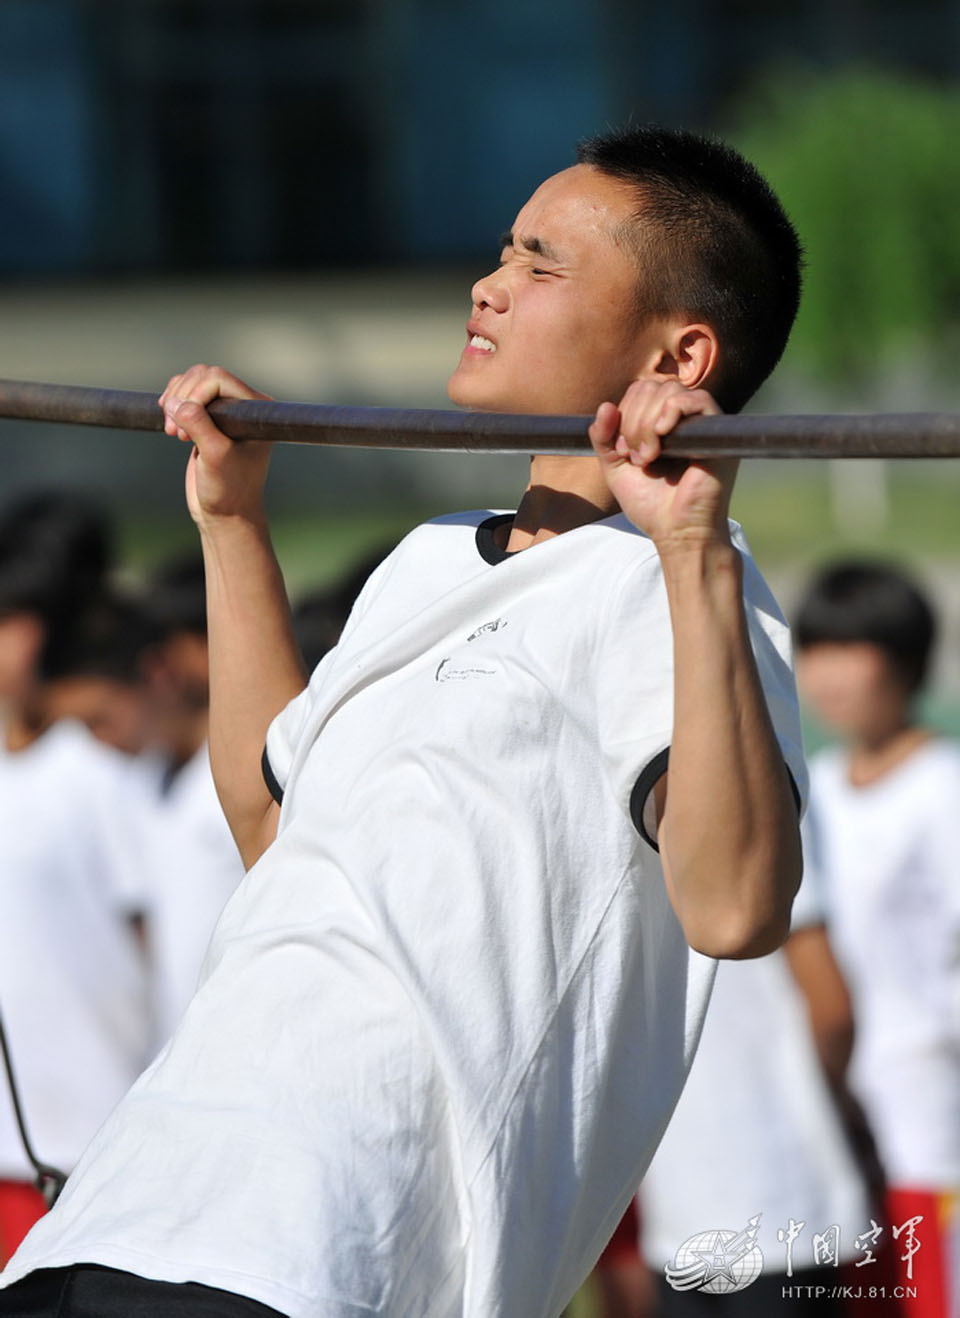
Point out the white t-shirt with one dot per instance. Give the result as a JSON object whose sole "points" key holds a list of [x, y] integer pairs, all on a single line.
{"points": [[446, 1016], [888, 859], [72, 982], [195, 869], [756, 1130]]}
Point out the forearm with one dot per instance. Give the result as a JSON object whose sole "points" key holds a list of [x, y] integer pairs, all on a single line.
{"points": [[729, 833], [827, 998], [255, 670]]}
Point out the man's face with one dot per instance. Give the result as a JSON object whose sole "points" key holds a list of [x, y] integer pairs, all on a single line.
{"points": [[553, 329]]}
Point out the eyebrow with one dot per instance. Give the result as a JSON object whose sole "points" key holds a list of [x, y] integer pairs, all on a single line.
{"points": [[536, 245]]}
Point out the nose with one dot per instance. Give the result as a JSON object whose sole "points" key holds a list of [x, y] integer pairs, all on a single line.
{"points": [[491, 292]]}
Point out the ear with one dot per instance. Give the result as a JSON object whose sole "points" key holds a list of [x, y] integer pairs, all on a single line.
{"points": [[690, 356]]}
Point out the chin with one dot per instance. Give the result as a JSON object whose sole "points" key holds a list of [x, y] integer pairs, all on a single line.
{"points": [[468, 394], [474, 397]]}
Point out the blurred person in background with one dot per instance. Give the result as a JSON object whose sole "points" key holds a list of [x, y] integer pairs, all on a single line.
{"points": [[882, 839], [99, 679], [196, 864], [759, 1141], [320, 615], [138, 676], [72, 978]]}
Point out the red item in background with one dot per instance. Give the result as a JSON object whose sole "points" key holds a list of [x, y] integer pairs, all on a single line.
{"points": [[20, 1206], [624, 1244], [934, 1267]]}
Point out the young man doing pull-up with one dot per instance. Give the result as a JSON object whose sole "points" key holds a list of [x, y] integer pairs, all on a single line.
{"points": [[549, 772]]}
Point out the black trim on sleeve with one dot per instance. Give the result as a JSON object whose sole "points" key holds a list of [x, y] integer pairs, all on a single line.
{"points": [[642, 789], [270, 778], [487, 546], [647, 781], [794, 789]]}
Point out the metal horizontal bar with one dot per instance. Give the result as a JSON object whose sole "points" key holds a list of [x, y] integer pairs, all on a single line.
{"points": [[878, 435]]}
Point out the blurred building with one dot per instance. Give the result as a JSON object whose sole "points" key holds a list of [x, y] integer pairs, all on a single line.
{"points": [[182, 134]]}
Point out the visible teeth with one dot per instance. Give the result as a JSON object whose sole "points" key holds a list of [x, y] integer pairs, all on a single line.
{"points": [[478, 341]]}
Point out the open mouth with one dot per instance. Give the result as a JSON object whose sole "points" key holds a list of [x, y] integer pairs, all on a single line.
{"points": [[480, 344]]}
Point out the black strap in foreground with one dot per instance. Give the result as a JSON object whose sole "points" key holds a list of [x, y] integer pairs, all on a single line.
{"points": [[48, 1180]]}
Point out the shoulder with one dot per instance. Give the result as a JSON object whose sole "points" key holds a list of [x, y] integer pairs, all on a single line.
{"points": [[441, 535], [937, 765], [463, 520], [619, 540], [70, 749], [827, 767], [756, 591], [453, 526]]}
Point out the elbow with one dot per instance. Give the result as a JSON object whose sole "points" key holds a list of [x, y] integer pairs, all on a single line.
{"points": [[745, 941], [755, 919], [735, 940]]}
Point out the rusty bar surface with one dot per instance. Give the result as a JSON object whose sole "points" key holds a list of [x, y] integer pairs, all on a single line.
{"points": [[854, 435]]}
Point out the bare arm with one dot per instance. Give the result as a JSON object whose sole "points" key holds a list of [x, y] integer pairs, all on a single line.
{"points": [[817, 975], [255, 665], [728, 831], [830, 1012]]}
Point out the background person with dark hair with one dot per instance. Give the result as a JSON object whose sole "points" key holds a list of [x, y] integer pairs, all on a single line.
{"points": [[137, 675], [882, 841], [496, 841], [769, 1076], [72, 981], [98, 677], [319, 615]]}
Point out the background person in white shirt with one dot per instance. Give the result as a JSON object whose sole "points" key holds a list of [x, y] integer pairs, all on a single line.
{"points": [[72, 984], [138, 677], [446, 1015], [882, 837], [759, 1134]]}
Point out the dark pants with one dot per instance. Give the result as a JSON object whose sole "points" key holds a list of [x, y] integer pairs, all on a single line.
{"points": [[88, 1291], [760, 1299]]}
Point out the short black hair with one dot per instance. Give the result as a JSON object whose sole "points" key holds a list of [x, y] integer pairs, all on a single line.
{"points": [[55, 552], [55, 549], [713, 243], [860, 601], [176, 594], [107, 639]]}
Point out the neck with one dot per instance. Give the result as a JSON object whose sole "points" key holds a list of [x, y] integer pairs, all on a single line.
{"points": [[870, 760], [185, 735], [23, 724], [563, 493]]}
